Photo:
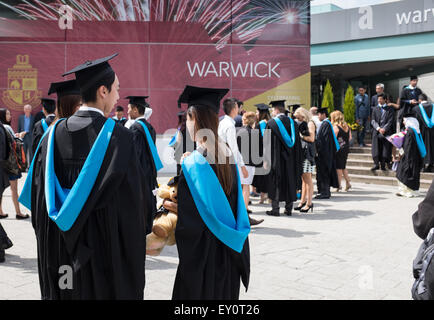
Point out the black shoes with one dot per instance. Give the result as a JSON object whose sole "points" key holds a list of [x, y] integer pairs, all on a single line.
{"points": [[321, 196], [7, 244], [307, 210], [376, 167], [288, 213], [273, 213], [22, 217], [254, 222], [2, 255], [300, 207], [4, 217], [428, 169]]}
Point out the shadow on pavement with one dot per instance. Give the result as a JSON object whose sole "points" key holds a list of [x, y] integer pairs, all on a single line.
{"points": [[287, 233], [334, 214], [28, 265]]}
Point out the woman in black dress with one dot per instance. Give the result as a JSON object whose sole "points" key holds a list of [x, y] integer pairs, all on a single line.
{"points": [[343, 134]]}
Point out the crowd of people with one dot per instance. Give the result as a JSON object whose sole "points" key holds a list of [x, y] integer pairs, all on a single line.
{"points": [[92, 179], [402, 133]]}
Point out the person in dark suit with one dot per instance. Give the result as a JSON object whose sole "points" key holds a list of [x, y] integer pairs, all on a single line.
{"points": [[25, 124], [383, 125]]}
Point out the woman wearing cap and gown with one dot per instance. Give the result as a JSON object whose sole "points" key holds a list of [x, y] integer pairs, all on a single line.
{"points": [[87, 199], [144, 140], [262, 182], [413, 152], [213, 225]]}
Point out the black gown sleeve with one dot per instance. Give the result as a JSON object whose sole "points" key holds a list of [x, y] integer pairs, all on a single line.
{"points": [[423, 218], [38, 132]]}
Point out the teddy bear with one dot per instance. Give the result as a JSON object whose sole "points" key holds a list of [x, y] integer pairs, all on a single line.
{"points": [[164, 225]]}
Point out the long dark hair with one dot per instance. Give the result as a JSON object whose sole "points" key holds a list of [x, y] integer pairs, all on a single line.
{"points": [[182, 120], [67, 105], [205, 118], [3, 112]]}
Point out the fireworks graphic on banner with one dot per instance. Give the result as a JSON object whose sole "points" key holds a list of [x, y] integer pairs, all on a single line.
{"points": [[220, 18]]}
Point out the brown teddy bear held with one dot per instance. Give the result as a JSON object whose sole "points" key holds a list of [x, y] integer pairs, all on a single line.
{"points": [[163, 229]]}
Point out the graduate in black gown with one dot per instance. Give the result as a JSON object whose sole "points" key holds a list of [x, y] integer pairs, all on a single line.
{"points": [[145, 148], [262, 180], [413, 152], [182, 141], [5, 242], [213, 226], [383, 125], [285, 163], [425, 116], [409, 98], [88, 199], [49, 109], [119, 116], [326, 146]]}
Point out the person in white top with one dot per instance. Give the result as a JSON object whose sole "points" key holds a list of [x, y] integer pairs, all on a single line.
{"points": [[315, 118], [228, 134]]}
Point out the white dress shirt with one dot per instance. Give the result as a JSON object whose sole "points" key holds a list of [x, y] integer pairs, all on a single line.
{"points": [[228, 134], [86, 108]]}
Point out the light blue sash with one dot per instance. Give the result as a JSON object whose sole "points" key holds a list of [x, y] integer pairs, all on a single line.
{"points": [[289, 140], [262, 126], [26, 194], [152, 147], [429, 122], [44, 125], [71, 202], [420, 143], [213, 205], [338, 147], [174, 138]]}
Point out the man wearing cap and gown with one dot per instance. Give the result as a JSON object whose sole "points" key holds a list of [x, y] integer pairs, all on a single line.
{"points": [[49, 109], [119, 116], [87, 199], [213, 226], [286, 159], [327, 146], [144, 140], [409, 98], [425, 114]]}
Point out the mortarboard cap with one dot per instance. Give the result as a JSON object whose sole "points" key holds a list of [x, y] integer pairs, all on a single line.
{"points": [[173, 181], [48, 103], [91, 72], [323, 110], [413, 78], [197, 96], [278, 103], [262, 107], [64, 88], [138, 101]]}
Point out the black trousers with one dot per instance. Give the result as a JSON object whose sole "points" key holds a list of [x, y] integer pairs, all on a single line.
{"points": [[275, 205], [384, 154]]}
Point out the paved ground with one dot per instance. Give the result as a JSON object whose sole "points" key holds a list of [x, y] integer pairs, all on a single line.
{"points": [[359, 245]]}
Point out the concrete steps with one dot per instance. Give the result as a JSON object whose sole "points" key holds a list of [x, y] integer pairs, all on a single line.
{"points": [[359, 168]]}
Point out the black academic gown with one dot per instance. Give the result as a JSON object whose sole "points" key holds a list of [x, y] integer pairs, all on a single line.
{"points": [[381, 147], [4, 154], [407, 94], [326, 161], [409, 167], [427, 133], [147, 163], [106, 244], [286, 163], [38, 132], [423, 218], [208, 269], [261, 182]]}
